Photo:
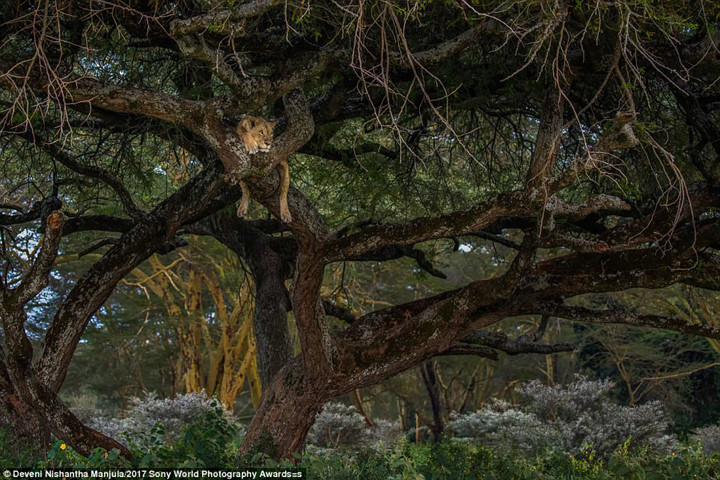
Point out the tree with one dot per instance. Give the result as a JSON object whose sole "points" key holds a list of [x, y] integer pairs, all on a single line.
{"points": [[215, 359], [581, 136]]}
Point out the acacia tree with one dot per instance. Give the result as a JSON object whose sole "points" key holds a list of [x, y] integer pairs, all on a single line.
{"points": [[581, 135], [216, 361]]}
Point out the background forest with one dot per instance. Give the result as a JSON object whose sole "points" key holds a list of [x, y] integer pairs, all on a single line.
{"points": [[146, 339]]}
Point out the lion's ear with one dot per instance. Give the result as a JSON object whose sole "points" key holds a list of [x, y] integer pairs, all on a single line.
{"points": [[271, 125], [244, 124]]}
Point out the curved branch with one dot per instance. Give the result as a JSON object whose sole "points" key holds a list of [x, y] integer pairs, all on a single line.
{"points": [[36, 278], [334, 310], [464, 348], [49, 204], [134, 246], [85, 90], [126, 200], [465, 222]]}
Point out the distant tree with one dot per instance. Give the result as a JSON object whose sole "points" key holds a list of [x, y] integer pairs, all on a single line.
{"points": [[215, 343], [581, 136]]}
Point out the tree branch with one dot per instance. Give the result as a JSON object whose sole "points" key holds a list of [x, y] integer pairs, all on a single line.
{"points": [[464, 348], [466, 222], [500, 341], [587, 315], [126, 200], [49, 204], [85, 90], [134, 246], [222, 18], [443, 51], [548, 137], [334, 310]]}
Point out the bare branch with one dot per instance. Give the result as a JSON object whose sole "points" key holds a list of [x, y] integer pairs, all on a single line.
{"points": [[65, 158], [96, 245], [444, 50], [588, 315], [85, 90], [47, 205], [464, 348], [502, 342], [95, 285], [334, 310], [538, 334], [465, 222]]}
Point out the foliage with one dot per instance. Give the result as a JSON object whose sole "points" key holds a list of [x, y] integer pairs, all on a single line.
{"points": [[447, 460], [339, 425], [708, 437], [154, 422], [577, 418]]}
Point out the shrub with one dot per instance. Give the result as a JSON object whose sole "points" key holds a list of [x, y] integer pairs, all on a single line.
{"points": [[573, 418], [385, 432], [173, 414], [708, 437], [339, 425]]}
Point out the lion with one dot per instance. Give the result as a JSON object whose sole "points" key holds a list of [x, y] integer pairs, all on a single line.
{"points": [[257, 134]]}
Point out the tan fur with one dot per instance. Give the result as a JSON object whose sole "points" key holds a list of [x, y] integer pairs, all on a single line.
{"points": [[257, 135]]}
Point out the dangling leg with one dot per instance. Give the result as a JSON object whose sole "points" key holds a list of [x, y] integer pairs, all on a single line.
{"points": [[244, 201], [285, 185]]}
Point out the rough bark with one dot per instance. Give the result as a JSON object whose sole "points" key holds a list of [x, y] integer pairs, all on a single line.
{"points": [[271, 262], [287, 411]]}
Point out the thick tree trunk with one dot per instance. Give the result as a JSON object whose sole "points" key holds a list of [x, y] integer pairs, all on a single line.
{"points": [[286, 413], [29, 432], [272, 304], [33, 413], [270, 261]]}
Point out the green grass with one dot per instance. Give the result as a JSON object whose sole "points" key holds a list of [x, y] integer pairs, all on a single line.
{"points": [[212, 443]]}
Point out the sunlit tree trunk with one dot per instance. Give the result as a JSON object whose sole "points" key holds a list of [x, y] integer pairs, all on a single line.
{"points": [[217, 364]]}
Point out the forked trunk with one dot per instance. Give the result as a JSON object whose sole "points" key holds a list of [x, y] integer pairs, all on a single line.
{"points": [[33, 413]]}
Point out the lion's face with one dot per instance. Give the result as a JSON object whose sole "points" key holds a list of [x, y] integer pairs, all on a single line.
{"points": [[256, 133]]}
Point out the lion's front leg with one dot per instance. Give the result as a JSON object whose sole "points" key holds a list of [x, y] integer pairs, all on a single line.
{"points": [[285, 186]]}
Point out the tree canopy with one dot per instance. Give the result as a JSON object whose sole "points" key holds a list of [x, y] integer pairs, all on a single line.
{"points": [[580, 138]]}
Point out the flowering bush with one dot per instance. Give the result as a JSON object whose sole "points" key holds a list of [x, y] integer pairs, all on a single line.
{"points": [[575, 418], [174, 414], [339, 425], [708, 437]]}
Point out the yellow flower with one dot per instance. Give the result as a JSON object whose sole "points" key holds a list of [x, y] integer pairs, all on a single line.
{"points": [[63, 446], [105, 454]]}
